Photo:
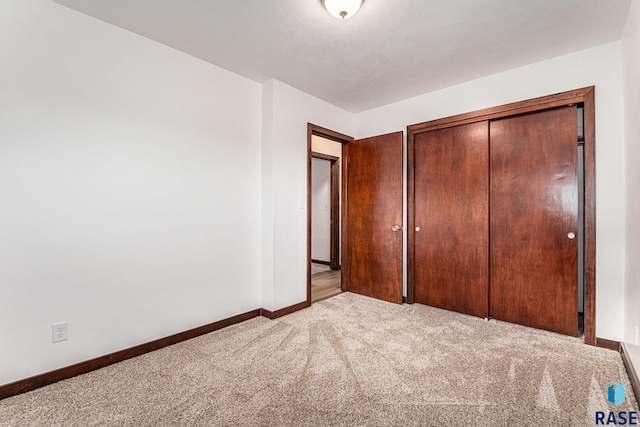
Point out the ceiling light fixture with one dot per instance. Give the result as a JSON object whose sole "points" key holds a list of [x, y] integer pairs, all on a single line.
{"points": [[342, 9]]}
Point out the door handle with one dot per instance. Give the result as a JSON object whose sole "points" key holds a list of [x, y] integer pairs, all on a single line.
{"points": [[396, 228]]}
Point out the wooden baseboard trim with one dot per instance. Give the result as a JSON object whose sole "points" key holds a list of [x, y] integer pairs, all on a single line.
{"points": [[315, 261], [284, 311], [631, 371], [608, 344], [37, 381]]}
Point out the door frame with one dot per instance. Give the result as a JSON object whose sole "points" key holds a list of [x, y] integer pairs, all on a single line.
{"points": [[585, 96], [334, 209], [342, 139]]}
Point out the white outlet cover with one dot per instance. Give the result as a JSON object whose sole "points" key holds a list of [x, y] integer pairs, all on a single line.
{"points": [[60, 331]]}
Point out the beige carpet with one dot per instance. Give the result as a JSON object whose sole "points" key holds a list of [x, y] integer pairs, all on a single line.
{"points": [[348, 360]]}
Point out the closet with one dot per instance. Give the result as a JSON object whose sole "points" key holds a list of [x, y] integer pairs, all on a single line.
{"points": [[533, 199], [452, 219], [493, 214]]}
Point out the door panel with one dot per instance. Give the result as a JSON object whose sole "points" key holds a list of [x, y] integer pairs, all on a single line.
{"points": [[534, 205], [373, 173], [450, 265]]}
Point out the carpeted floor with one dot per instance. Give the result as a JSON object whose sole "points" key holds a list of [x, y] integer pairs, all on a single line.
{"points": [[348, 360]]}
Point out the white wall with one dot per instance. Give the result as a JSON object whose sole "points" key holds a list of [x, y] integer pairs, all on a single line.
{"points": [[284, 172], [266, 195], [321, 210], [129, 186], [599, 66], [631, 82]]}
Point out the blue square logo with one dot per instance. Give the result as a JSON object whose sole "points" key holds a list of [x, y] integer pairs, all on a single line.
{"points": [[615, 394]]}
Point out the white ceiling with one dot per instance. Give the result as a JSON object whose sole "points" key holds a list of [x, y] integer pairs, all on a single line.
{"points": [[390, 50]]}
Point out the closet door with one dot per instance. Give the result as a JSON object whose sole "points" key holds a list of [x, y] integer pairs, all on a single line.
{"points": [[450, 265], [533, 229]]}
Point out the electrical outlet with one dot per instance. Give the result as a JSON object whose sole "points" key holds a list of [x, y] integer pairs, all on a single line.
{"points": [[60, 331]]}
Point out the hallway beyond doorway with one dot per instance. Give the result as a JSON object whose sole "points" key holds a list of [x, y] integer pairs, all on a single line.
{"points": [[325, 283]]}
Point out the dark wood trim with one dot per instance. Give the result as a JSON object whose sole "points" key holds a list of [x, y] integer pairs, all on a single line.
{"points": [[284, 311], [631, 371], [584, 95], [344, 271], [315, 261], [309, 207], [328, 133], [589, 215], [37, 381], [608, 344], [344, 140], [411, 205], [515, 108], [323, 156], [335, 215]]}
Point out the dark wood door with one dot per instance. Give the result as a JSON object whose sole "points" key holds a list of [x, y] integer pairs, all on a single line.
{"points": [[534, 208], [451, 210], [373, 180]]}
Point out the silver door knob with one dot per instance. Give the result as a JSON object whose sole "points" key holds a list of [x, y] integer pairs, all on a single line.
{"points": [[396, 228], [571, 235], [417, 228]]}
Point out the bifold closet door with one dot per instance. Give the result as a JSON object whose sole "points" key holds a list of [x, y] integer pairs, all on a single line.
{"points": [[373, 188], [451, 211], [533, 229]]}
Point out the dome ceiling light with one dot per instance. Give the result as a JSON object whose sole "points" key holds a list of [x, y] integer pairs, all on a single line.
{"points": [[342, 9]]}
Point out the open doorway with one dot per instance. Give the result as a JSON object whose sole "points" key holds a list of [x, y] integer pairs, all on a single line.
{"points": [[325, 208], [324, 213], [325, 218]]}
